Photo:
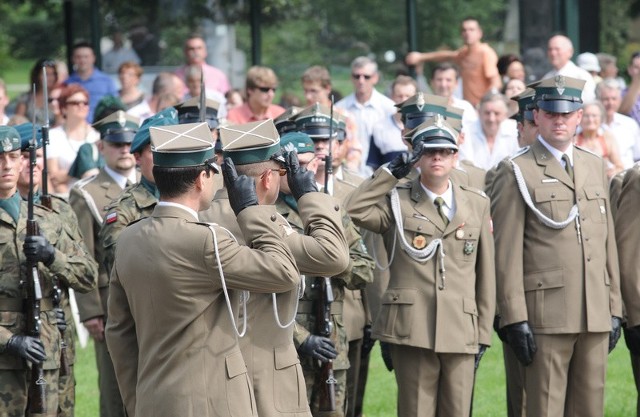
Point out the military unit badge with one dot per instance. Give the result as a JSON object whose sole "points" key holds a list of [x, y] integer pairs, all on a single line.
{"points": [[419, 242], [7, 145], [468, 247], [560, 83]]}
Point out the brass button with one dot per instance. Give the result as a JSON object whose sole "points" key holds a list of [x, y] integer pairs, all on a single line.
{"points": [[336, 207], [553, 195], [273, 217], [419, 227]]}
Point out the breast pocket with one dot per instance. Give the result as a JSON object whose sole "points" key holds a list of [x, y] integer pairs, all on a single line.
{"points": [[465, 246], [554, 202], [418, 232], [397, 311], [596, 203]]}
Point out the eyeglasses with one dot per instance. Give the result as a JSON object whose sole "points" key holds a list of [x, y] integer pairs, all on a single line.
{"points": [[281, 171], [267, 89], [431, 152], [77, 103], [358, 76]]}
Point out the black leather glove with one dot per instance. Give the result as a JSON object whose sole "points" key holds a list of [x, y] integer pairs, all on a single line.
{"points": [[402, 164], [241, 189], [386, 355], [318, 347], [520, 338], [38, 249], [301, 180], [614, 334], [61, 323], [632, 339], [367, 342], [26, 347], [482, 349], [499, 331]]}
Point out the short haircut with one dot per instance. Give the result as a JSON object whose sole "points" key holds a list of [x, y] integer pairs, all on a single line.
{"points": [[194, 35], [82, 44], [259, 76], [607, 84], [257, 169], [137, 69], [163, 83], [605, 59], [491, 96], [317, 74], [193, 72], [470, 19], [70, 90], [404, 80], [598, 104], [174, 182], [363, 61], [444, 66]]}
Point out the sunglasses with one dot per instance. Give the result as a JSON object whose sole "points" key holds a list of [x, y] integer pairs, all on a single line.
{"points": [[77, 103], [358, 76], [281, 171], [438, 151], [267, 89]]}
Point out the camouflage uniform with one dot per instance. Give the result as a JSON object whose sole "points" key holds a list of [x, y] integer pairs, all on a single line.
{"points": [[356, 275], [72, 266], [135, 202]]}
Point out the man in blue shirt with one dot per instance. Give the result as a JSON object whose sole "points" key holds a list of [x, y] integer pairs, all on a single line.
{"points": [[97, 83]]}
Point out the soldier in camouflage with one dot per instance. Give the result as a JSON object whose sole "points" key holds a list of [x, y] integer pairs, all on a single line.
{"points": [[57, 256]]}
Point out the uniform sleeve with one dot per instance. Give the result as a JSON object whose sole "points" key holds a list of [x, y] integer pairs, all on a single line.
{"points": [[627, 227], [300, 334], [266, 264], [508, 212], [368, 206], [110, 230], [122, 342], [486, 280], [361, 264], [322, 249], [613, 267]]}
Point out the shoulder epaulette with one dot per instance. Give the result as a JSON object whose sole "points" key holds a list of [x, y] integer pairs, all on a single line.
{"points": [[404, 185], [587, 150], [520, 151], [473, 189]]}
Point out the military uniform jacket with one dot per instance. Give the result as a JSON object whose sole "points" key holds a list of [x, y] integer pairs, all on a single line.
{"points": [[627, 225], [90, 198], [268, 349], [169, 332], [134, 203], [71, 266], [414, 310], [558, 281]]}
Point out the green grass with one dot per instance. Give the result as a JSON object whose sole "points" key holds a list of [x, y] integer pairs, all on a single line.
{"points": [[380, 397]]}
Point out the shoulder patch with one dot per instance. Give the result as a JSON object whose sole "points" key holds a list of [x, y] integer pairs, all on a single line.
{"points": [[111, 218]]}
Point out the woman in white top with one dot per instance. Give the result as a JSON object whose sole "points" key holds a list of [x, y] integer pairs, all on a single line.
{"points": [[66, 139]]}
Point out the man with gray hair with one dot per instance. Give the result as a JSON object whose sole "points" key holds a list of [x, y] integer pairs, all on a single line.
{"points": [[366, 104], [166, 92], [559, 52], [624, 128]]}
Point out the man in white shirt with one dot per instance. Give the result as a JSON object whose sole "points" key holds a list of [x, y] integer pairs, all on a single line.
{"points": [[624, 128], [559, 52], [366, 104], [444, 82]]}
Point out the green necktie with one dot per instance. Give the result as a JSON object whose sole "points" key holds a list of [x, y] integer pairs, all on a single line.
{"points": [[439, 202], [567, 166]]}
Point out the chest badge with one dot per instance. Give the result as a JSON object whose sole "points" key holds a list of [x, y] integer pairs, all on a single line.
{"points": [[419, 242], [469, 247], [459, 234]]}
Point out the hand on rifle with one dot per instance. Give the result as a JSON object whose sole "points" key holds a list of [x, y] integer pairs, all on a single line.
{"points": [[61, 323], [319, 347], [38, 249], [402, 164], [301, 181], [27, 347], [241, 189]]}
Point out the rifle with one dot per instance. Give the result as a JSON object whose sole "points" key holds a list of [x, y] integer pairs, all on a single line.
{"points": [[45, 199], [324, 323], [37, 383]]}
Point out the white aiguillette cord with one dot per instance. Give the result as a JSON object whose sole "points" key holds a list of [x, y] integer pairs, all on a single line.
{"points": [[420, 255]]}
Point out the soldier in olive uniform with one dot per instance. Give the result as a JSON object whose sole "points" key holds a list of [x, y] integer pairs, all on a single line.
{"points": [[556, 260], [172, 328], [57, 256], [69, 221], [137, 200], [627, 237], [268, 349], [90, 198]]}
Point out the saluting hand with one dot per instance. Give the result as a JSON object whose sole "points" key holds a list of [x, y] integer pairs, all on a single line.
{"points": [[402, 164], [241, 189], [301, 181]]}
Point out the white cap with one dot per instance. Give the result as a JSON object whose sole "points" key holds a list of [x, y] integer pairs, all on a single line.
{"points": [[588, 61]]}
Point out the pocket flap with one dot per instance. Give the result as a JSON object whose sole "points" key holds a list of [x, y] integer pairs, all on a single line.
{"points": [[399, 296], [594, 192], [422, 226], [8, 318], [235, 365], [544, 194], [285, 356], [544, 280], [469, 306]]}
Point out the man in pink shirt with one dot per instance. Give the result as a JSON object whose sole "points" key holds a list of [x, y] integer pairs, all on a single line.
{"points": [[261, 85], [195, 52]]}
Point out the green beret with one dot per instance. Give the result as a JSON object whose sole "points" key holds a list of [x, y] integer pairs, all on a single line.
{"points": [[559, 94], [186, 145], [251, 143], [166, 117], [297, 141], [9, 139], [25, 130], [118, 127], [87, 159], [107, 105]]}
